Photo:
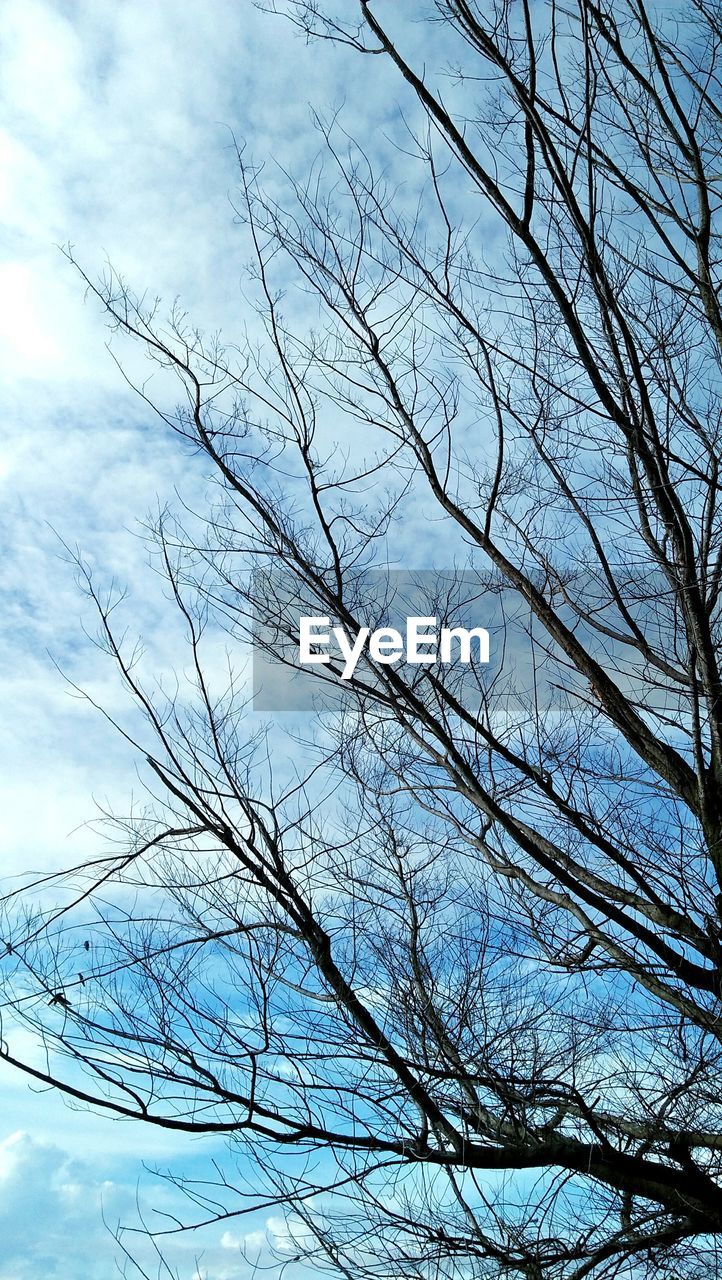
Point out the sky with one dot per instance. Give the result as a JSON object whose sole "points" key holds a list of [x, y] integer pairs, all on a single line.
{"points": [[118, 128], [116, 137]]}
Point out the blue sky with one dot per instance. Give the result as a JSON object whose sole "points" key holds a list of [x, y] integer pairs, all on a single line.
{"points": [[116, 137], [117, 121]]}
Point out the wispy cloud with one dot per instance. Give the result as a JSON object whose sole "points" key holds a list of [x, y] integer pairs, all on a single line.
{"points": [[117, 137]]}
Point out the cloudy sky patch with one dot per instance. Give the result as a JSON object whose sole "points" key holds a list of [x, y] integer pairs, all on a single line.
{"points": [[117, 136]]}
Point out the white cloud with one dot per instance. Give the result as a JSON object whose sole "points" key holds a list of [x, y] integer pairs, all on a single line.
{"points": [[51, 1212], [116, 138], [59, 1212]]}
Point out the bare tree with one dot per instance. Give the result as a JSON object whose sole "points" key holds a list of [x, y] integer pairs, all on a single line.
{"points": [[457, 987]]}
